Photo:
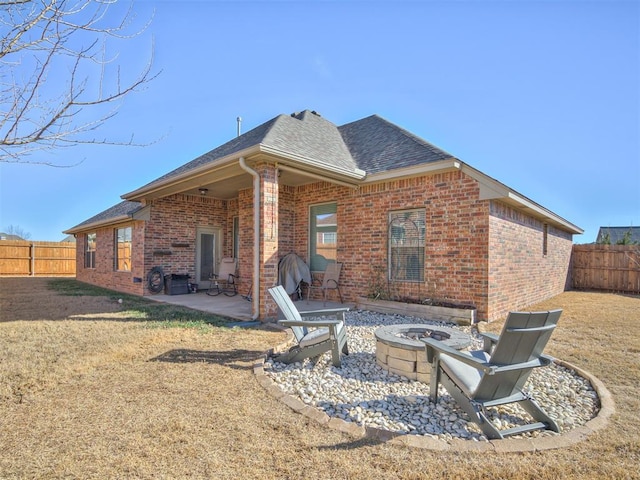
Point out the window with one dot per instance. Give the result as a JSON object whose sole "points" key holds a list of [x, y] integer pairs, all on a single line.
{"points": [[406, 245], [545, 239], [90, 251], [236, 237], [123, 249], [323, 236]]}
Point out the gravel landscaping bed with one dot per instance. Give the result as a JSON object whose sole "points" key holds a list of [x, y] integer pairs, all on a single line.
{"points": [[361, 391]]}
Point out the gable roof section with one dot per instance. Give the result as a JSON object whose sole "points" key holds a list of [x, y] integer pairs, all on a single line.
{"points": [[121, 212], [310, 136], [378, 146], [305, 135], [247, 140]]}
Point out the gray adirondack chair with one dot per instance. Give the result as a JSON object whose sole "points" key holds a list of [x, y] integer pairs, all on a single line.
{"points": [[496, 375], [314, 337]]}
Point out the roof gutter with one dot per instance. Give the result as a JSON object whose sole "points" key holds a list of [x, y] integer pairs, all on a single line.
{"points": [[316, 176], [141, 213], [492, 189], [448, 164], [255, 306], [320, 170], [355, 174], [100, 223]]}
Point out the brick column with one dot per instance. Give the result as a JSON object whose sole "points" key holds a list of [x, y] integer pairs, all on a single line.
{"points": [[268, 238]]}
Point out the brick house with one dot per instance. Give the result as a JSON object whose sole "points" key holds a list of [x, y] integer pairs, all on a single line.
{"points": [[394, 209]]}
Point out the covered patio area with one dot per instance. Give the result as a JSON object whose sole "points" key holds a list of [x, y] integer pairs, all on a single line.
{"points": [[236, 307]]}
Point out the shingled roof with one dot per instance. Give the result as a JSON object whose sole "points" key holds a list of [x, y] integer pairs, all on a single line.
{"points": [[617, 234], [366, 146], [305, 134], [378, 146], [124, 210], [350, 153], [371, 144]]}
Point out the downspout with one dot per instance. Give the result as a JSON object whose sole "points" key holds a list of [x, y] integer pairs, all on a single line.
{"points": [[255, 297]]}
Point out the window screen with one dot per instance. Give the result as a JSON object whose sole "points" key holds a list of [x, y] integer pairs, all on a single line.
{"points": [[406, 245]]}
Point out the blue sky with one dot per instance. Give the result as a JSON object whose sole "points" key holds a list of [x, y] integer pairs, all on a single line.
{"points": [[543, 96]]}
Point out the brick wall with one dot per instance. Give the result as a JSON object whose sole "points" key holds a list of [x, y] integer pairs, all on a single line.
{"points": [[477, 251], [167, 240], [104, 273], [245, 254], [519, 272], [171, 231], [456, 234]]}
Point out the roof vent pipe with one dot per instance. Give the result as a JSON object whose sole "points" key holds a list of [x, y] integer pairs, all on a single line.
{"points": [[239, 121]]}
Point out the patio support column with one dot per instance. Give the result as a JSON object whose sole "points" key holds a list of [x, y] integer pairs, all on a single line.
{"points": [[268, 238]]}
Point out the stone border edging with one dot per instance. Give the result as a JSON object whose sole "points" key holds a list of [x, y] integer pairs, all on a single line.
{"points": [[508, 445]]}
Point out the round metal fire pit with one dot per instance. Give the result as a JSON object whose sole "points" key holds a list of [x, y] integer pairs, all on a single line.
{"points": [[400, 351]]}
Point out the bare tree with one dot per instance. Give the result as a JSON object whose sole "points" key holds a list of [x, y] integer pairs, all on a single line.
{"points": [[59, 81], [18, 232]]}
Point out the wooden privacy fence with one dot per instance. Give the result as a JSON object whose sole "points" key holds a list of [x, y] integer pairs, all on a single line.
{"points": [[614, 268], [43, 259]]}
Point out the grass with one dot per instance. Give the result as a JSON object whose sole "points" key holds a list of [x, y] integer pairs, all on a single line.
{"points": [[161, 315], [86, 391]]}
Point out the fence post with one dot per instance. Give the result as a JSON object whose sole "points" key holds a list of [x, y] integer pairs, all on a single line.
{"points": [[32, 259]]}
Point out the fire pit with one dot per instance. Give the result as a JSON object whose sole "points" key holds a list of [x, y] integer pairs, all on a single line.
{"points": [[400, 351]]}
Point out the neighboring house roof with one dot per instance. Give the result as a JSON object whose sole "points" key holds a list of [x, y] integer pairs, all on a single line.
{"points": [[616, 234], [9, 236]]}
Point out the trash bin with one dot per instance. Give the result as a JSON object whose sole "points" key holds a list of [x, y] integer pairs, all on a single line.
{"points": [[176, 284]]}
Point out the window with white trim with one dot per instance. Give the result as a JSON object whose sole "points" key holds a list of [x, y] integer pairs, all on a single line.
{"points": [[406, 241], [90, 250], [236, 237]]}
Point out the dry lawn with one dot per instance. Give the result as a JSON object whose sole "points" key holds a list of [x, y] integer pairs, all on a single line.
{"points": [[90, 389]]}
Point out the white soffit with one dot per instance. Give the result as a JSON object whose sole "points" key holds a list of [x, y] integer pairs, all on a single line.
{"points": [[491, 189]]}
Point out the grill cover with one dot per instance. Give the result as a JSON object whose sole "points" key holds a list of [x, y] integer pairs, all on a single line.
{"points": [[291, 271]]}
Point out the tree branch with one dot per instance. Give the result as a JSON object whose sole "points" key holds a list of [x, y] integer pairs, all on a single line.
{"points": [[44, 39]]}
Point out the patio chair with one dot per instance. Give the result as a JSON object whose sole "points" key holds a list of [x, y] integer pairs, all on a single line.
{"points": [[314, 337], [225, 280], [496, 375], [330, 281]]}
